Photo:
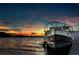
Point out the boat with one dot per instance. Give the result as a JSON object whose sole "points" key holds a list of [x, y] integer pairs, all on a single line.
{"points": [[58, 39]]}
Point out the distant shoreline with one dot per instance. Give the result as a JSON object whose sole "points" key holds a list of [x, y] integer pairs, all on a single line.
{"points": [[3, 34]]}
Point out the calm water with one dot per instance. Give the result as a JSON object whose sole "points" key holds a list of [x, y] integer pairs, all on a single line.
{"points": [[75, 48], [24, 45], [27, 46]]}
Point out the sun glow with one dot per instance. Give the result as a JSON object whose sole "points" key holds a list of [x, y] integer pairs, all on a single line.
{"points": [[34, 30]]}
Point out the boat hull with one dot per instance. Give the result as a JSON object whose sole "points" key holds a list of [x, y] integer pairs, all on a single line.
{"points": [[58, 51], [60, 46]]}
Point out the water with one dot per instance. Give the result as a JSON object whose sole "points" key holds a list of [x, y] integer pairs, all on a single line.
{"points": [[21, 46], [75, 47], [28, 46]]}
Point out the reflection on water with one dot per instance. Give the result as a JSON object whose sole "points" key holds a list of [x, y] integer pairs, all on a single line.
{"points": [[75, 47], [28, 46], [22, 45]]}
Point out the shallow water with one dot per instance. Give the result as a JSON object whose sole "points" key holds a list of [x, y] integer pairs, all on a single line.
{"points": [[75, 48], [28, 46]]}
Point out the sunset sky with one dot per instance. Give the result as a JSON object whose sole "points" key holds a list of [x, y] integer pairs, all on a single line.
{"points": [[31, 18]]}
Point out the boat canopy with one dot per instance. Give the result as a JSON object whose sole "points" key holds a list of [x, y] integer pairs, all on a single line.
{"points": [[58, 26]]}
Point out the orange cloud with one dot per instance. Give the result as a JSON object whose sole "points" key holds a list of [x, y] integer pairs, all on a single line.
{"points": [[13, 31], [3, 27]]}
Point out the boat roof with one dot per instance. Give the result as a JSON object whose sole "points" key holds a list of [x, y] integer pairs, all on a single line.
{"points": [[57, 23]]}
